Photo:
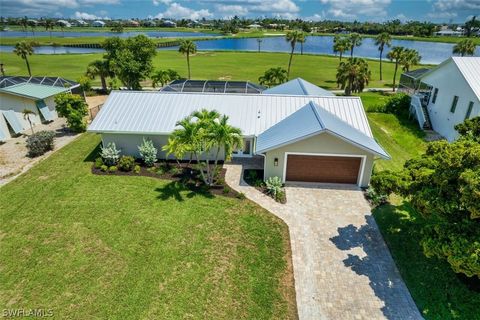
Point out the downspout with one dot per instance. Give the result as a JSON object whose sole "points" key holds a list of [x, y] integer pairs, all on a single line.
{"points": [[260, 154]]}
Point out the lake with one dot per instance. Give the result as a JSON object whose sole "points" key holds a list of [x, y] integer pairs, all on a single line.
{"points": [[431, 52]]}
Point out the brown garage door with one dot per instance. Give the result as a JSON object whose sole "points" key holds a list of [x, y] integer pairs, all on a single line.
{"points": [[329, 169]]}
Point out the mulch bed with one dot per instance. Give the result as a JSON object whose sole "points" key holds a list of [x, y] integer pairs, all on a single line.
{"points": [[254, 178], [183, 173]]}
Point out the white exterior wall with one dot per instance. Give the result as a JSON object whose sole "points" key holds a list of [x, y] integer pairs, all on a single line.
{"points": [[450, 82], [4, 127], [128, 144]]}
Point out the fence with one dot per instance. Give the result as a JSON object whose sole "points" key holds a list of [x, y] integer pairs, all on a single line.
{"points": [[92, 112]]}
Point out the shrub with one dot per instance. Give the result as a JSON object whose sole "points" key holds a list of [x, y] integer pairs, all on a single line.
{"points": [[374, 197], [148, 152], [110, 154], [252, 175], [258, 183], [274, 186], [226, 190], [104, 168], [136, 169], [98, 163], [241, 196], [175, 170], [126, 163], [398, 104], [385, 182], [112, 169], [74, 109], [39, 143], [280, 196]]}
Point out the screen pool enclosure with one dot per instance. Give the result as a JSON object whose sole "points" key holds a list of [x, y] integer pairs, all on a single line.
{"points": [[214, 86]]}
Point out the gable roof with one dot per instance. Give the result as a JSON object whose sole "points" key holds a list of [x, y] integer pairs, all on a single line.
{"points": [[33, 91], [141, 112], [312, 120], [469, 67], [299, 87]]}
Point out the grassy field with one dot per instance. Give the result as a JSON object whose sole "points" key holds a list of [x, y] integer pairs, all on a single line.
{"points": [[97, 247], [318, 69]]}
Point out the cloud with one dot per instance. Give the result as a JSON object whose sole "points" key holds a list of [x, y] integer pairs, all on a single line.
{"points": [[279, 8], [447, 5], [316, 17], [232, 10], [158, 2], [177, 11], [354, 9], [36, 8], [88, 16]]}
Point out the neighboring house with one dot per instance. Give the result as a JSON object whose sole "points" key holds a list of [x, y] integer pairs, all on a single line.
{"points": [[298, 137], [132, 23], [300, 87], [98, 23], [168, 24], [449, 33], [35, 94], [64, 23], [447, 95], [254, 26], [81, 23]]}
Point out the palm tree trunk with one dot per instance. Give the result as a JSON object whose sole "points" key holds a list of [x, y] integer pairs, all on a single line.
{"points": [[341, 54], [188, 65], [30, 122], [104, 83], [351, 52], [202, 174], [28, 66], [395, 75], [301, 48], [381, 52], [290, 62]]}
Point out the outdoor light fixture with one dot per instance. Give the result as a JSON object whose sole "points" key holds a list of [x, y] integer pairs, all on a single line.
{"points": [[275, 162]]}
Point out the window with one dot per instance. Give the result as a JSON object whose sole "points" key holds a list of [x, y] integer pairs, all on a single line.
{"points": [[454, 104], [469, 110], [435, 93]]}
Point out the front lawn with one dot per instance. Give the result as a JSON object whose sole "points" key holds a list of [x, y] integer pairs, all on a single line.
{"points": [[123, 247]]}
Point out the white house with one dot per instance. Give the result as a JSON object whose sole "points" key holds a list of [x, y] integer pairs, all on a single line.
{"points": [[448, 94], [298, 137], [35, 94], [64, 23], [98, 23]]}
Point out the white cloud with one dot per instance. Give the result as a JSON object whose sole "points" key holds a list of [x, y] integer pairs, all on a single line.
{"points": [[232, 10], [177, 11], [316, 17], [446, 5], [354, 9], [158, 2], [274, 6], [88, 16], [283, 8], [37, 8]]}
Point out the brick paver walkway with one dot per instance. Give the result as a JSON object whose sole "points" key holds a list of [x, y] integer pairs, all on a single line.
{"points": [[342, 266]]}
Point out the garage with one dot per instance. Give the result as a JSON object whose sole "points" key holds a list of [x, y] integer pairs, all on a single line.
{"points": [[323, 168]]}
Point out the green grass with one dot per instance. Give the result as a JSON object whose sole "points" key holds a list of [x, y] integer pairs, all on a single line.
{"points": [[317, 69], [437, 291], [117, 247]]}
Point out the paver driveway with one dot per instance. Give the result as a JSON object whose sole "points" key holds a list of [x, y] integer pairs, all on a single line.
{"points": [[342, 266]]}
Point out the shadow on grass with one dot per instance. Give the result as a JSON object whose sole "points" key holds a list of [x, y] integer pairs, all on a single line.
{"points": [[179, 191], [378, 265], [93, 154]]}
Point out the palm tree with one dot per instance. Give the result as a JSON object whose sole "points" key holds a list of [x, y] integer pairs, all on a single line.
{"points": [[293, 37], [49, 24], [395, 54], [273, 77], [340, 45], [26, 115], [382, 40], [24, 49], [465, 48], [188, 47], [355, 41], [302, 41], [259, 41], [226, 137], [409, 58], [99, 68], [32, 25], [24, 23], [353, 75], [161, 77]]}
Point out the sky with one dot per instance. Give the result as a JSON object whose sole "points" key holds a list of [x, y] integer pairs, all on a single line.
{"points": [[456, 11]]}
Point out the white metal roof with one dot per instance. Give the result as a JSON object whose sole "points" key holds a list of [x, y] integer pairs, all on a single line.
{"points": [[470, 69], [312, 120], [299, 87], [157, 113]]}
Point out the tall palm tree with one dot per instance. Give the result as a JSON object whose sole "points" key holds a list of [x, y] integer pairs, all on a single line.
{"points": [[353, 75], [49, 24], [24, 23], [273, 77], [24, 49], [396, 55], [355, 41], [465, 48], [409, 58], [161, 77], [101, 68], [293, 37], [382, 40], [26, 115], [226, 137], [340, 45], [188, 47], [302, 41]]}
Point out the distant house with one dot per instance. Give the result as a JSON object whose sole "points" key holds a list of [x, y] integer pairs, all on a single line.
{"points": [[81, 23], [32, 22], [133, 23], [447, 95], [168, 24], [297, 137], [98, 24], [36, 94], [449, 33], [254, 26], [150, 23], [64, 23]]}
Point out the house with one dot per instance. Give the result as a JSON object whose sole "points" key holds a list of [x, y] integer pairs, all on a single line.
{"points": [[300, 87], [449, 33], [168, 24], [447, 95], [132, 23], [297, 137], [98, 23], [254, 26], [36, 94], [64, 23], [81, 23]]}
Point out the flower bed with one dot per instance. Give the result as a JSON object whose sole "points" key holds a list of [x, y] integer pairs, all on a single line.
{"points": [[254, 178]]}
